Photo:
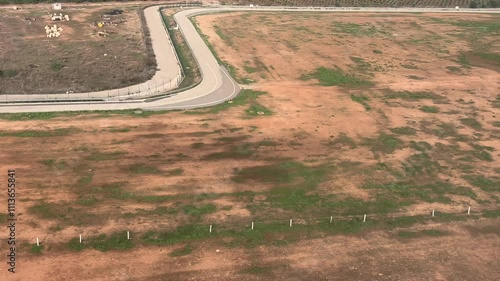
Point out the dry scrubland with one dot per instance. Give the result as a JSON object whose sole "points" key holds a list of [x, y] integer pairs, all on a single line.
{"points": [[80, 60], [390, 115]]}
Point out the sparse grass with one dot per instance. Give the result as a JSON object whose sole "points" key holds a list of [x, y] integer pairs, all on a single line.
{"points": [[377, 52], [384, 143], [357, 30], [142, 168], [407, 95], [184, 251], [471, 122], [409, 66], [430, 109], [37, 250], [491, 214], [245, 97], [409, 131], [420, 164], [102, 242], [486, 184], [96, 114], [335, 77], [257, 109], [343, 140], [421, 233], [196, 211], [362, 100], [454, 69], [105, 156], [42, 134], [175, 172], [197, 145]]}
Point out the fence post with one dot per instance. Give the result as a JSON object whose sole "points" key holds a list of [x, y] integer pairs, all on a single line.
{"points": [[290, 222], [80, 239], [128, 235], [468, 211], [331, 219], [433, 212], [37, 242], [252, 225], [364, 218], [210, 228]]}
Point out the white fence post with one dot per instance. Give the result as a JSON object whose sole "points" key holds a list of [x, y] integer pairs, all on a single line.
{"points": [[364, 218], [331, 219], [80, 239], [433, 212], [37, 242], [252, 225], [468, 211], [290, 222], [210, 228], [128, 235]]}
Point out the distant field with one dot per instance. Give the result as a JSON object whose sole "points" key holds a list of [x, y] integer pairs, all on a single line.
{"points": [[79, 60]]}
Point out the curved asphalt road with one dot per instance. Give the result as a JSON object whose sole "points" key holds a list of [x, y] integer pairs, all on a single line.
{"points": [[217, 86]]}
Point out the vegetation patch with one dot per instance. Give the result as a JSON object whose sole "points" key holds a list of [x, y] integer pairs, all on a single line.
{"points": [[343, 140], [407, 95], [246, 96], [384, 143], [363, 100], [141, 168], [335, 77], [409, 131], [430, 109]]}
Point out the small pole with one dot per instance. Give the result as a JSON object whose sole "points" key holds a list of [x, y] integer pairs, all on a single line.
{"points": [[433, 212], [364, 218], [210, 228], [37, 242], [290, 222], [252, 225], [80, 239], [128, 235], [468, 211], [331, 219]]}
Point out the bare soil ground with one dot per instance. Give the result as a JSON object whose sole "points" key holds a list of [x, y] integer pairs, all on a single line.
{"points": [[394, 148], [80, 60]]}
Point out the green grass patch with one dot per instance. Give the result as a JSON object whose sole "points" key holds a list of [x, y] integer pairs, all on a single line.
{"points": [[37, 250], [410, 191], [105, 156], [471, 122], [343, 140], [42, 134], [420, 146], [142, 168], [175, 172], [409, 66], [102, 242], [422, 233], [408, 131], [420, 164], [257, 109], [198, 211], [384, 143], [491, 214], [197, 145], [335, 77], [486, 184], [429, 109], [361, 99], [96, 114], [245, 97], [407, 95]]}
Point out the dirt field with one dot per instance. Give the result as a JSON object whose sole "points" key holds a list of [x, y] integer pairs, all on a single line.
{"points": [[80, 60], [386, 115]]}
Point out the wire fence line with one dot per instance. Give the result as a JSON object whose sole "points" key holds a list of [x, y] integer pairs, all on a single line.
{"points": [[333, 221]]}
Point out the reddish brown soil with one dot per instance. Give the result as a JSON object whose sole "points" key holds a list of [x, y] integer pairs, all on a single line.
{"points": [[306, 117]]}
